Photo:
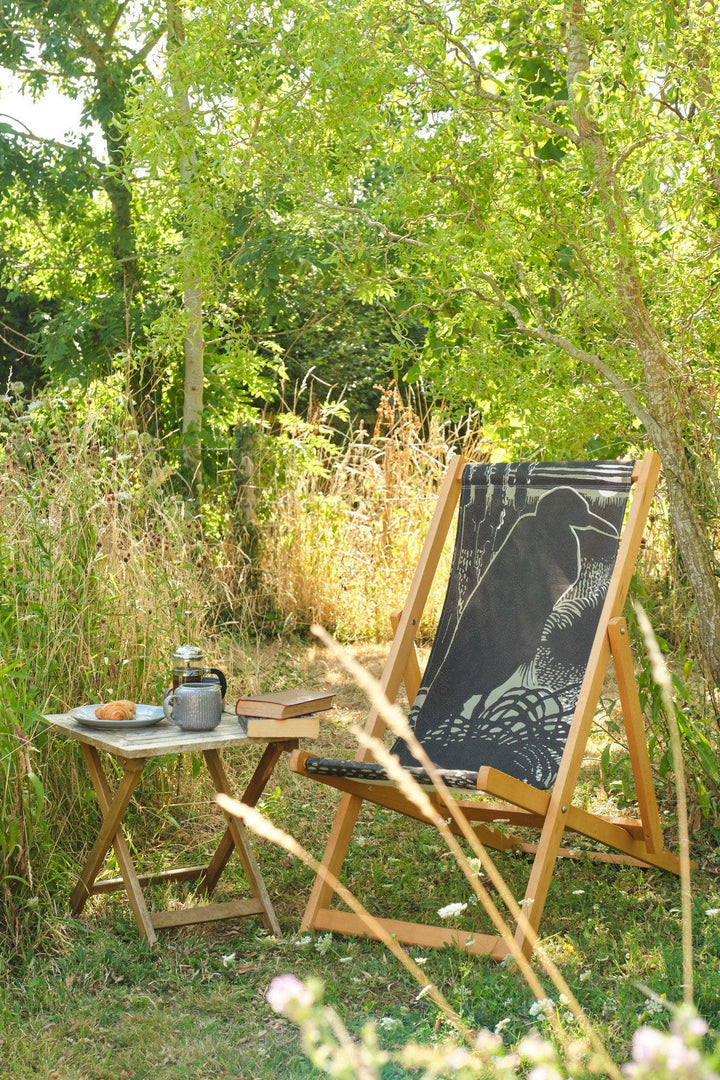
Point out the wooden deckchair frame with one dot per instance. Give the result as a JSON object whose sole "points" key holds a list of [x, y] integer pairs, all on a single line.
{"points": [[636, 841]]}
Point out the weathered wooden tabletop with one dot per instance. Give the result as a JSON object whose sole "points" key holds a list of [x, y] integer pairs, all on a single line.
{"points": [[161, 738]]}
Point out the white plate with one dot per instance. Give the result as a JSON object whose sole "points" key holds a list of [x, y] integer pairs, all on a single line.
{"points": [[145, 716]]}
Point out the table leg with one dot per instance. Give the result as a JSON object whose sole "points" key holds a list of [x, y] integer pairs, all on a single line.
{"points": [[241, 843], [258, 781], [113, 809]]}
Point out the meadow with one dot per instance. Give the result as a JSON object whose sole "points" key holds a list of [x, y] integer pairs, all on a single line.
{"points": [[102, 559]]}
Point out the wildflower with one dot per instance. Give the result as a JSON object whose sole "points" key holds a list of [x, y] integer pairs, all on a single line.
{"points": [[541, 1006], [421, 960], [578, 892], [711, 912], [425, 990], [458, 1058], [501, 1025], [544, 1072], [657, 1052], [323, 943], [303, 941], [286, 991], [227, 959], [388, 1022], [537, 1050], [450, 910], [488, 1042], [17, 387], [476, 866]]}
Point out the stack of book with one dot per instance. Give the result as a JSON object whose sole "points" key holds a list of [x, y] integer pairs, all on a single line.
{"points": [[285, 714]]}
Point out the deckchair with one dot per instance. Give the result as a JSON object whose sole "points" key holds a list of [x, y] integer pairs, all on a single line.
{"points": [[542, 563]]}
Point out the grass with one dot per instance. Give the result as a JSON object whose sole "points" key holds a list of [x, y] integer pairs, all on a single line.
{"points": [[91, 1001]]}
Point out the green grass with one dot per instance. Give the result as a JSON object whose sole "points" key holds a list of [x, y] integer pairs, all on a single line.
{"points": [[86, 999]]}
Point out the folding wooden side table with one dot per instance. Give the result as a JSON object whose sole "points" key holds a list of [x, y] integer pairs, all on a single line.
{"points": [[132, 749]]}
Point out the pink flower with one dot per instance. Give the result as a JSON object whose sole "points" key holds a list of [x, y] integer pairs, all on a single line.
{"points": [[286, 992]]}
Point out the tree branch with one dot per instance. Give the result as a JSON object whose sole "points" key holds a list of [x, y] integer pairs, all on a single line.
{"points": [[559, 341], [45, 141], [109, 31]]}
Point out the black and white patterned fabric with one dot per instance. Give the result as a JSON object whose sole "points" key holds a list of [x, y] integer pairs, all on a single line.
{"points": [[369, 772], [535, 549]]}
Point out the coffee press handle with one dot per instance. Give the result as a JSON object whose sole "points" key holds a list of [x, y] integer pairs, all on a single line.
{"points": [[221, 677]]}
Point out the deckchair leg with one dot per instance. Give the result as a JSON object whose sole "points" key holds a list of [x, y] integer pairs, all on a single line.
{"points": [[335, 851], [635, 732]]}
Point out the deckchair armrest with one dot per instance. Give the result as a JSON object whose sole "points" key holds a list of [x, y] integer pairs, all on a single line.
{"points": [[501, 785], [297, 760]]}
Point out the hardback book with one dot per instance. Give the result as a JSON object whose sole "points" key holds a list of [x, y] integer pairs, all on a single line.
{"points": [[281, 704], [296, 727]]}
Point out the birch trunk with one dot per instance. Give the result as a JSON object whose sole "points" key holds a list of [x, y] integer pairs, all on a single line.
{"points": [[194, 336]]}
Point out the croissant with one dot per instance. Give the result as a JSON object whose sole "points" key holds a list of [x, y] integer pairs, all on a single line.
{"points": [[116, 710]]}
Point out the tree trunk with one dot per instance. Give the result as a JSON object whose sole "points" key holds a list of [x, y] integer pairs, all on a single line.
{"points": [[194, 351], [194, 339], [111, 84], [663, 426]]}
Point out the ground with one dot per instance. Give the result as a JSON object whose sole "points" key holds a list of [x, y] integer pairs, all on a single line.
{"points": [[90, 1001]]}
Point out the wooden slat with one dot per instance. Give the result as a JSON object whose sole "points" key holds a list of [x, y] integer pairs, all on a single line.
{"points": [[635, 732], [234, 909], [242, 843], [110, 807], [412, 676], [345, 922], [503, 786], [571, 762], [593, 856], [607, 832], [183, 873], [257, 784]]}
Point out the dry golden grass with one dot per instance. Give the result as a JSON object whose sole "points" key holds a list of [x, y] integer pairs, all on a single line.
{"points": [[340, 547]]}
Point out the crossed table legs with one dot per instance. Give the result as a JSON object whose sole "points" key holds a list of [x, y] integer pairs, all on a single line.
{"points": [[235, 838]]}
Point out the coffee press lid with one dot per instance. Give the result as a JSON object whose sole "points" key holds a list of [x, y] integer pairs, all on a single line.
{"points": [[188, 653]]}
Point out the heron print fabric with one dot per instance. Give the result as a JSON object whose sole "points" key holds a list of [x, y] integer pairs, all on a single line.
{"points": [[535, 548]]}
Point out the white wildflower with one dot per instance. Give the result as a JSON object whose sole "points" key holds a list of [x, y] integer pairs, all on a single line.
{"points": [[450, 910], [541, 1007]]}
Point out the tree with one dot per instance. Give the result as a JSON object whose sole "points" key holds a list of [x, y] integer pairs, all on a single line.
{"points": [[551, 212], [96, 51]]}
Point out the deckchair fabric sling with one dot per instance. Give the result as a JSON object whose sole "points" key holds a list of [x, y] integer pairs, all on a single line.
{"points": [[534, 552], [542, 563]]}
